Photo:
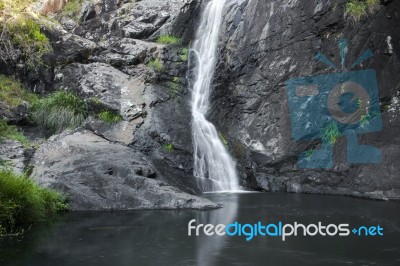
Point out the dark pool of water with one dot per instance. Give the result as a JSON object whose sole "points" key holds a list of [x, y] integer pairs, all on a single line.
{"points": [[160, 237]]}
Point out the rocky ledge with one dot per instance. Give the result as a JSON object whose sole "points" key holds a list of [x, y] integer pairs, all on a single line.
{"points": [[101, 175]]}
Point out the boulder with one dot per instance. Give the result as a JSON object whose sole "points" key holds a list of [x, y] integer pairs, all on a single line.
{"points": [[100, 175]]}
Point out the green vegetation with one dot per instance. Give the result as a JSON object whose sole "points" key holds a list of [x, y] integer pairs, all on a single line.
{"points": [[22, 201], [356, 9], [24, 33], [169, 147], [223, 138], [174, 85], [309, 153], [72, 9], [14, 6], [156, 64], [365, 119], [169, 39], [11, 132], [184, 54], [330, 133], [110, 117], [12, 93], [59, 111]]}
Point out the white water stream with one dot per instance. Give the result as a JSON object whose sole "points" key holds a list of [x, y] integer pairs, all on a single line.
{"points": [[214, 169]]}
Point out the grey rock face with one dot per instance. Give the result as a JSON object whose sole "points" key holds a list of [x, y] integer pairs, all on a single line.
{"points": [[265, 43], [13, 156], [100, 175]]}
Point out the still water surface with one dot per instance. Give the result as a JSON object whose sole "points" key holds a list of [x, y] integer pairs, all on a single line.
{"points": [[160, 237]]}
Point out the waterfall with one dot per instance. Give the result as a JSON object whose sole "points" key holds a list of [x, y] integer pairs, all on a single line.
{"points": [[214, 169]]}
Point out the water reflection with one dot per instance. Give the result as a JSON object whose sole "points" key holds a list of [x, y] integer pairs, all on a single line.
{"points": [[209, 247], [160, 237]]}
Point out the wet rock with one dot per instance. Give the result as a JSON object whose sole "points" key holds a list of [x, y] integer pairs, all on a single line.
{"points": [[265, 43]]}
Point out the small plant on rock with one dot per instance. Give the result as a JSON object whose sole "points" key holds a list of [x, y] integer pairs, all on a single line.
{"points": [[59, 111], [169, 39], [110, 117], [156, 64]]}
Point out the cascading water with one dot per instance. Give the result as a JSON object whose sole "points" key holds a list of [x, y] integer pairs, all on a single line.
{"points": [[214, 168]]}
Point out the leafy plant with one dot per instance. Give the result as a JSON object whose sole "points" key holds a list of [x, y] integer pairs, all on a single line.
{"points": [[23, 201], [330, 133], [59, 111], [169, 39], [13, 94], [110, 117], [11, 132], [156, 64]]}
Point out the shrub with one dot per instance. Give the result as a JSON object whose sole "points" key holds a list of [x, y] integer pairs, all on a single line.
{"points": [[13, 94], [11, 132], [59, 111], [24, 34], [330, 133], [23, 201], [169, 39], [110, 117], [156, 64]]}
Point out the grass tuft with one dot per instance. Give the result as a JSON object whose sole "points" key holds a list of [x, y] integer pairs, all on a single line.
{"points": [[12, 93], [25, 34], [330, 133], [357, 9], [22, 201], [72, 9], [11, 132], [59, 111], [156, 64], [110, 117], [169, 39]]}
